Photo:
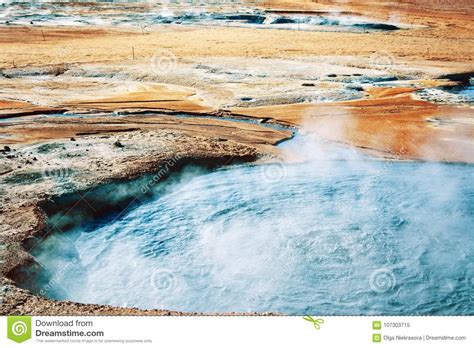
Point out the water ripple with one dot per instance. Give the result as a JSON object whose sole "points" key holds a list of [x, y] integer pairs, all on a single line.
{"points": [[320, 240]]}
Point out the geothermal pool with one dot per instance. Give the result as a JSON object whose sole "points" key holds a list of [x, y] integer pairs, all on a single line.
{"points": [[234, 15], [338, 234]]}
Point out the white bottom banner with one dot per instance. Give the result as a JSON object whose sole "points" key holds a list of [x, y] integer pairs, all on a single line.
{"points": [[233, 331]]}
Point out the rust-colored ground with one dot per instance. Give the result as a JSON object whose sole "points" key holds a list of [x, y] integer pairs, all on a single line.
{"points": [[17, 108], [157, 97], [390, 121]]}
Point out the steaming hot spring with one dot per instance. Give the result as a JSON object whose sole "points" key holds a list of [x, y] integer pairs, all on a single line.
{"points": [[281, 237]]}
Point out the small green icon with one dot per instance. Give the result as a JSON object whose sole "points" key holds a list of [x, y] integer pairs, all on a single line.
{"points": [[316, 322], [19, 328], [377, 338], [377, 325]]}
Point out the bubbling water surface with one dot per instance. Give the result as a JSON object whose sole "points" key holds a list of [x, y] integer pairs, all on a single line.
{"points": [[338, 234]]}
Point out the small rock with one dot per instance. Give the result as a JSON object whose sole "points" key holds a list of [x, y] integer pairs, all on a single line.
{"points": [[7, 148], [307, 84], [118, 144], [28, 162], [246, 99], [73, 139], [331, 75]]}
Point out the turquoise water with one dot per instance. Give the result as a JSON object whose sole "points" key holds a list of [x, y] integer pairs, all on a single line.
{"points": [[338, 234]]}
